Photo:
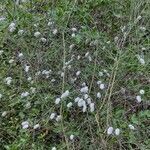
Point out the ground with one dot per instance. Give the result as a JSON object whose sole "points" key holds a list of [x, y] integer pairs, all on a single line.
{"points": [[74, 75]]}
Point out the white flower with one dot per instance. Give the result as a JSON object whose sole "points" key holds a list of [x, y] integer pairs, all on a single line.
{"points": [[81, 102], [29, 78], [105, 70], [2, 19], [24, 1], [12, 27], [86, 96], [104, 47], [143, 48], [102, 86], [138, 98], [71, 137], [73, 80], [58, 118], [99, 82], [26, 68], [55, 31], [78, 57], [143, 28], [89, 101], [123, 28], [90, 58], [1, 52], [1, 95], [71, 46], [84, 89], [138, 18], [65, 94], [108, 42], [141, 60], [74, 29], [20, 32], [52, 116], [32, 82], [62, 74], [28, 105], [117, 131], [77, 99], [87, 41], [4, 114], [69, 104], [24, 94], [116, 38], [142, 92], [33, 90], [37, 34], [131, 127], [92, 107], [20, 55], [50, 23], [36, 126], [53, 80], [43, 40], [84, 108], [25, 124], [73, 35], [54, 148], [98, 95], [108, 74], [57, 101], [69, 67], [36, 25], [46, 72], [8, 80], [87, 54], [67, 63], [78, 73], [100, 74], [110, 130], [83, 84], [11, 61]]}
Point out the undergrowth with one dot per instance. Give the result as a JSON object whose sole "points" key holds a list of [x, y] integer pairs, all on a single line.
{"points": [[74, 75]]}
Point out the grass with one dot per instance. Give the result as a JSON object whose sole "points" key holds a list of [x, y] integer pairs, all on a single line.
{"points": [[112, 37]]}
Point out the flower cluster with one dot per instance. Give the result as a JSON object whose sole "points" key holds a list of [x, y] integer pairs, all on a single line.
{"points": [[138, 97], [12, 27]]}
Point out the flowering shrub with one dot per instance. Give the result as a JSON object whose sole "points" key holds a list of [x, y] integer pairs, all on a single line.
{"points": [[74, 75]]}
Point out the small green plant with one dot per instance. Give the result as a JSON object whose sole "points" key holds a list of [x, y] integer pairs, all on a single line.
{"points": [[74, 75]]}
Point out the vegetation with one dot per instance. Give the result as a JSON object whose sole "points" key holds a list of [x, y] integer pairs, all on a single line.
{"points": [[74, 75]]}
